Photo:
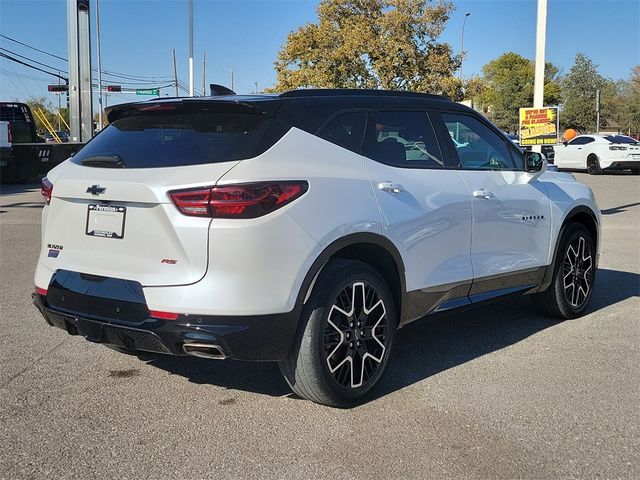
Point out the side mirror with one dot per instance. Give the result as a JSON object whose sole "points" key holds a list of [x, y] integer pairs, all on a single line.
{"points": [[535, 162], [565, 143]]}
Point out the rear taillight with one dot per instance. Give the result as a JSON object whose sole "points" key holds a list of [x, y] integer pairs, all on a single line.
{"points": [[46, 190], [41, 291], [10, 132], [617, 147], [248, 200]]}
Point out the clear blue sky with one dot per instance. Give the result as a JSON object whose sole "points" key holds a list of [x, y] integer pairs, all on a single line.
{"points": [[138, 36]]}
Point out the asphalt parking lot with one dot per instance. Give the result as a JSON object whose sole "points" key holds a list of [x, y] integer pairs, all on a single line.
{"points": [[498, 392]]}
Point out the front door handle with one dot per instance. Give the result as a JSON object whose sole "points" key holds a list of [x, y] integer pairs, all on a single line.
{"points": [[390, 187], [482, 193]]}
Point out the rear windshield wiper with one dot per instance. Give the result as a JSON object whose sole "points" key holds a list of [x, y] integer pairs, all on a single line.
{"points": [[103, 161]]}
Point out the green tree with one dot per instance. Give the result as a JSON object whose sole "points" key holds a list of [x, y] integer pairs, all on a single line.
{"points": [[509, 87], [390, 44], [43, 105], [579, 95], [633, 105]]}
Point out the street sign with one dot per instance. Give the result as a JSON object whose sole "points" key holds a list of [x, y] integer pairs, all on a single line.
{"points": [[148, 91]]}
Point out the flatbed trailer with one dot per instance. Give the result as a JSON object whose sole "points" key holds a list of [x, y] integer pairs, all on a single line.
{"points": [[21, 162]]}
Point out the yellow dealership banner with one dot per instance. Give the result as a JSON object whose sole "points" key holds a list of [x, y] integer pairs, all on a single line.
{"points": [[539, 126]]}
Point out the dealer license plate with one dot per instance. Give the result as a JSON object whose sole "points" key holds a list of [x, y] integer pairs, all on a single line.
{"points": [[106, 221]]}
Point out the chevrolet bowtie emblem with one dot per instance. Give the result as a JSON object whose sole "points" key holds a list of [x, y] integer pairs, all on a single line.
{"points": [[96, 190]]}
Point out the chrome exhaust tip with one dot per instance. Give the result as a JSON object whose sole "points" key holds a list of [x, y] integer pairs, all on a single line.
{"points": [[204, 350]]}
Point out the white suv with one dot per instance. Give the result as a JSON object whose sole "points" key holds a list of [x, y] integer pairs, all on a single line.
{"points": [[303, 228]]}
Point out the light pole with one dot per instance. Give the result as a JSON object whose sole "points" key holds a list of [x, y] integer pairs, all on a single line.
{"points": [[541, 38], [462, 42], [100, 106], [191, 48]]}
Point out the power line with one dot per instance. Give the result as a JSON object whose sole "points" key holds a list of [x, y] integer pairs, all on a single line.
{"points": [[160, 78], [34, 61], [33, 48], [13, 59]]}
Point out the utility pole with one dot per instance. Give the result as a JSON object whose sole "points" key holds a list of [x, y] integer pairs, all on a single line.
{"points": [[541, 38], [462, 43], [59, 95], [204, 73], [256, 84], [191, 48], [175, 72], [101, 109], [232, 74]]}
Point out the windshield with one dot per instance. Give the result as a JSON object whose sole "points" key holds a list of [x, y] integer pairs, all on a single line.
{"points": [[166, 139]]}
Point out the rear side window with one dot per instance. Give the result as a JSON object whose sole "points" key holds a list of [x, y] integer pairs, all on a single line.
{"points": [[621, 139], [346, 130], [167, 139], [405, 139], [477, 146]]}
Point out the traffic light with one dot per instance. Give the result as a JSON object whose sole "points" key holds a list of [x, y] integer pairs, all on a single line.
{"points": [[114, 88], [58, 88]]}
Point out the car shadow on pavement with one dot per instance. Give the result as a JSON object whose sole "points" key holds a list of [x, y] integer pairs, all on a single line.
{"points": [[621, 208], [20, 188], [423, 348]]}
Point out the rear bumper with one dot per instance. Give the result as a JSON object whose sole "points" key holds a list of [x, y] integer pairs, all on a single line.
{"points": [[251, 338], [623, 164]]}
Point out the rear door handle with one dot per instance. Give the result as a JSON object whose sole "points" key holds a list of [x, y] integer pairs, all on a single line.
{"points": [[482, 193], [390, 187]]}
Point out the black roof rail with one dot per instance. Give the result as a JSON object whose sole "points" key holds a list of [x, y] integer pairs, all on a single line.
{"points": [[355, 92]]}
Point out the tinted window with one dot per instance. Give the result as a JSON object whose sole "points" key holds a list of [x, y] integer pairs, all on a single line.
{"points": [[165, 139], [478, 147], [14, 113], [621, 139], [346, 129], [405, 139], [581, 141]]}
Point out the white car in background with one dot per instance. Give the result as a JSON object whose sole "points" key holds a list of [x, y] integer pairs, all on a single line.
{"points": [[597, 153]]}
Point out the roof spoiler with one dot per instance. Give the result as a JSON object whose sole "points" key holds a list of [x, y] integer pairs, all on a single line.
{"points": [[217, 90]]}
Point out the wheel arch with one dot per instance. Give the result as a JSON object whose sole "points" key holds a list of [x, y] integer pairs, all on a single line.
{"points": [[373, 249], [584, 216]]}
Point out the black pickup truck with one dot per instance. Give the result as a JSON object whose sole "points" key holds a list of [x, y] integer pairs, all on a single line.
{"points": [[23, 154]]}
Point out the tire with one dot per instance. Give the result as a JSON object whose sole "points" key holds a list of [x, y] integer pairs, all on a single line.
{"points": [[571, 288], [332, 362], [593, 165]]}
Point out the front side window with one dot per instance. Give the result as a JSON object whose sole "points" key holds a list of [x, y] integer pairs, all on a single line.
{"points": [[477, 146], [405, 139]]}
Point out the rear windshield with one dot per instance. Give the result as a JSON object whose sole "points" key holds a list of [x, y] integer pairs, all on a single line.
{"points": [[14, 113], [167, 139], [620, 139]]}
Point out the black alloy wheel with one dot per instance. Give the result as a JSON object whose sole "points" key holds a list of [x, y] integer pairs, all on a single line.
{"points": [[355, 335], [593, 165], [574, 275], [345, 337], [577, 270]]}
